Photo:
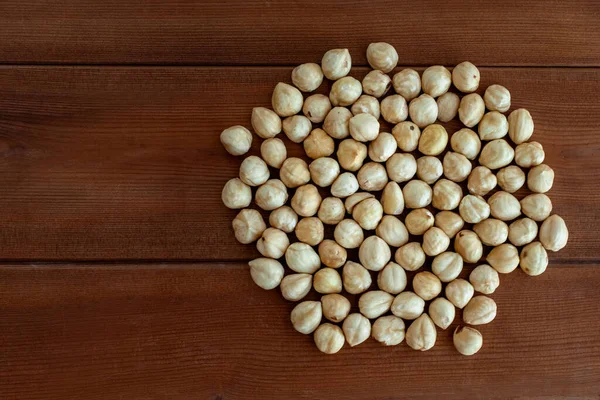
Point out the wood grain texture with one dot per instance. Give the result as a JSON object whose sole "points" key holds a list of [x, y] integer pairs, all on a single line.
{"points": [[557, 33]]}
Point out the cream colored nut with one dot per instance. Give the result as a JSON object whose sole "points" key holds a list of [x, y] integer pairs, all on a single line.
{"points": [[327, 281], [456, 166], [254, 171], [433, 140], [450, 222], [493, 125], [408, 305], [331, 211], [332, 254], [376, 83], [356, 328], [286, 100], [302, 258], [553, 233], [407, 136], [356, 278], [273, 151], [471, 110], [392, 278], [236, 140], [447, 266], [481, 181], [348, 234], [295, 287], [529, 154], [345, 185], [318, 144], [392, 199], [473, 209], [511, 178], [383, 147], [266, 272], [497, 98], [273, 243], [266, 123], [484, 279], [297, 127], [419, 221], [329, 338], [522, 231], [284, 219], [421, 334], [368, 213], [306, 201], [363, 127], [335, 307], [401, 167], [465, 77], [372, 177], [336, 123], [442, 312], [345, 91], [356, 198], [520, 126], [534, 259], [394, 109], [429, 169], [504, 258], [446, 194], [294, 172], [417, 194], [540, 178], [411, 256], [307, 77], [323, 171], [374, 253], [426, 285], [248, 226], [388, 330], [466, 142], [436, 80], [315, 108], [336, 63], [480, 310], [310, 231], [492, 232], [382, 56], [407, 83], [496, 154], [469, 246], [271, 195], [459, 292], [435, 241], [467, 340], [504, 206], [447, 106], [423, 110], [351, 154], [306, 316], [537, 206], [236, 194], [375, 303], [366, 105], [392, 230]]}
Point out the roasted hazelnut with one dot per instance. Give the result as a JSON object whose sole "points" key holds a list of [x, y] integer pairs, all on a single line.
{"points": [[493, 125], [323, 171], [273, 243], [388, 330], [467, 340], [496, 154], [534, 259], [329, 338], [297, 127], [273, 151], [421, 334], [327, 281], [529, 154], [536, 206], [336, 307], [295, 287], [363, 127], [447, 266], [427, 285], [356, 328], [306, 316], [417, 194], [236, 194], [435, 241], [368, 213], [254, 171], [442, 312], [522, 231], [353, 200]]}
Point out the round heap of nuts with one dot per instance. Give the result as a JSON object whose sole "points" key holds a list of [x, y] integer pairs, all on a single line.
{"points": [[435, 216]]}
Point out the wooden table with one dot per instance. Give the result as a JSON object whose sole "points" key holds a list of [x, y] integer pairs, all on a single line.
{"points": [[120, 277]]}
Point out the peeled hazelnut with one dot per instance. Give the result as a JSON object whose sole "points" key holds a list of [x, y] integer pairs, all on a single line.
{"points": [[537, 206], [302, 258], [310, 231], [493, 125], [401, 167], [442, 312], [520, 126], [480, 310], [236, 194], [418, 221], [540, 178], [283, 218], [248, 226], [375, 303], [407, 135], [497, 98], [481, 181], [345, 91], [471, 110], [394, 109], [392, 199], [511, 178], [421, 334], [393, 231], [368, 213], [435, 241], [446, 194], [408, 305], [529, 154], [297, 127], [376, 83], [329, 338], [323, 171], [374, 253], [273, 243], [469, 246], [466, 142], [388, 330], [417, 194], [236, 140], [356, 278], [492, 232], [534, 259], [273, 151], [484, 279], [382, 56], [456, 166], [433, 140], [307, 77], [335, 307], [423, 110], [356, 328], [553, 233], [266, 272], [392, 278], [411, 256], [295, 287], [465, 77], [254, 171], [383, 147], [332, 254], [504, 206], [331, 211], [294, 172], [315, 108], [459, 292], [429, 169], [286, 100], [467, 340], [504, 258], [327, 281], [363, 127], [407, 83], [318, 144], [522, 231], [306, 200], [271, 195], [348, 234], [367, 105], [447, 266], [306, 316], [351, 154], [372, 177], [450, 222], [266, 123], [436, 80], [474, 209], [336, 63], [353, 200], [336, 123], [345, 185], [447, 106], [427, 285], [496, 154]]}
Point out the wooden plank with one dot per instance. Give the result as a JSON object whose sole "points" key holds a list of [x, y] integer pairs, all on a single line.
{"points": [[206, 331], [125, 163], [286, 33]]}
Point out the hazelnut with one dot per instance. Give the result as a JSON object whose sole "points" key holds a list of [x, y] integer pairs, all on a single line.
{"points": [[356, 198], [307, 77], [427, 285], [407, 83], [248, 226], [306, 316], [392, 278], [530, 154], [401, 167], [504, 258], [484, 279], [511, 178], [450, 222], [417, 194], [294, 172], [363, 127], [356, 328], [394, 109], [504, 206], [345, 185], [331, 211], [310, 231], [481, 181], [465, 77], [273, 243], [433, 140], [442, 312], [383, 147], [327, 281], [411, 256], [297, 127], [335, 307], [408, 305], [446, 194], [392, 231], [474, 209], [418, 221], [522, 231], [480, 310], [366, 105], [348, 234], [375, 303], [467, 340], [254, 171], [236, 140], [284, 219], [435, 241], [329, 338], [382, 56], [429, 169], [447, 106], [447, 266], [368, 213], [471, 110], [336, 63], [332, 254], [306, 200], [392, 199], [496, 154], [520, 126], [459, 292], [537, 206], [318, 144], [493, 125], [407, 136], [315, 108], [492, 232], [236, 194], [388, 330], [456, 166], [345, 91], [323, 171], [534, 259], [271, 195], [295, 287], [351, 154], [468, 245], [356, 278], [466, 142], [372, 177], [336, 123], [266, 123], [273, 151], [286, 100], [553, 233], [497, 98], [376, 83], [421, 334], [374, 253], [423, 110], [540, 178], [266, 272], [436, 80]]}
